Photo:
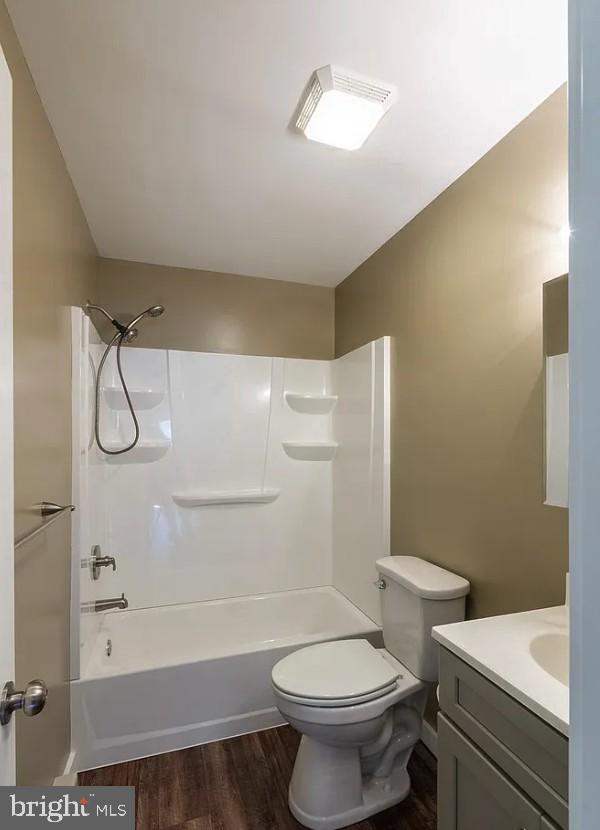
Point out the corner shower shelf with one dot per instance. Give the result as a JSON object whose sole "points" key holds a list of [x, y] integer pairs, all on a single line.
{"points": [[193, 498], [143, 452], [141, 398], [311, 404], [310, 451]]}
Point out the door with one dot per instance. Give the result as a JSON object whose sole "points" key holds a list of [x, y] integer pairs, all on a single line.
{"points": [[7, 655], [473, 793], [584, 393]]}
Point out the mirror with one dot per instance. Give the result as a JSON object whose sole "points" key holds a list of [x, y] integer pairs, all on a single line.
{"points": [[556, 366]]}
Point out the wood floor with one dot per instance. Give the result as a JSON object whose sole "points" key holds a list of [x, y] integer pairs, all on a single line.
{"points": [[241, 784]]}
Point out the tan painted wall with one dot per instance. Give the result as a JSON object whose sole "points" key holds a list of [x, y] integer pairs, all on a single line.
{"points": [[460, 291], [53, 267], [556, 316], [219, 312]]}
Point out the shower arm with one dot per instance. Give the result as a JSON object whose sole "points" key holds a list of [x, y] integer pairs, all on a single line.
{"points": [[119, 326]]}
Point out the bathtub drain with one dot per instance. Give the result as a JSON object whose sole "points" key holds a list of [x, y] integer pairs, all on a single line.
{"points": [[108, 648]]}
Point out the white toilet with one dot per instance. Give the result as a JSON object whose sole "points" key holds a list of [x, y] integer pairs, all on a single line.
{"points": [[359, 708]]}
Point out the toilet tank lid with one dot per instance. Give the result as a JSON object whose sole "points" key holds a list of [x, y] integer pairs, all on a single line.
{"points": [[423, 578]]}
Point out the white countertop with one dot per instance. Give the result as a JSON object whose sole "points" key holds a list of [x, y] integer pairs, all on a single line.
{"points": [[524, 654]]}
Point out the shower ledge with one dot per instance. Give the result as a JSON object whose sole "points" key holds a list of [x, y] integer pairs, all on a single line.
{"points": [[141, 398], [310, 450], [311, 404], [143, 453], [204, 498]]}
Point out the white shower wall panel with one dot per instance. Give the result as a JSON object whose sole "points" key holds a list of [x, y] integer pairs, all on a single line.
{"points": [[226, 418], [361, 472], [220, 419]]}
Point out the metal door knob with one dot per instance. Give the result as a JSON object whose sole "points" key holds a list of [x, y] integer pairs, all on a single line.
{"points": [[31, 701]]}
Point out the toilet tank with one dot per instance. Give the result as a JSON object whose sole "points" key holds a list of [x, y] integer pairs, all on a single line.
{"points": [[418, 595]]}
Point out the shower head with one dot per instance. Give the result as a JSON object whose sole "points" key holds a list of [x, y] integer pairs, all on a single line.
{"points": [[129, 332], [153, 311]]}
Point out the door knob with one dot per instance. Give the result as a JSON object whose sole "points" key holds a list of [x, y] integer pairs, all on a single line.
{"points": [[31, 701]]}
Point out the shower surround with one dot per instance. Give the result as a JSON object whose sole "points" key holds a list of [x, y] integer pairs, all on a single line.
{"points": [[258, 494]]}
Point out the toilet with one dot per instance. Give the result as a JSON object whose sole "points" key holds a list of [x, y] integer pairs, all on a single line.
{"points": [[359, 709]]}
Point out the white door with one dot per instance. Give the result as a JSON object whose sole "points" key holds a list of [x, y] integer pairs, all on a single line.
{"points": [[7, 649], [584, 458]]}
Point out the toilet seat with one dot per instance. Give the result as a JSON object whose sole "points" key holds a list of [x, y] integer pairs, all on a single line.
{"points": [[335, 702], [339, 673]]}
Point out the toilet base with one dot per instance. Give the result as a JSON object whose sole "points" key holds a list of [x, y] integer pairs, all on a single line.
{"points": [[344, 797]]}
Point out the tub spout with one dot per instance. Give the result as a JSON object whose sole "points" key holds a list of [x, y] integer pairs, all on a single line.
{"points": [[107, 604]]}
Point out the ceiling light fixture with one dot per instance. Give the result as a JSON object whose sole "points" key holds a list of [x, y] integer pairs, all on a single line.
{"points": [[342, 108]]}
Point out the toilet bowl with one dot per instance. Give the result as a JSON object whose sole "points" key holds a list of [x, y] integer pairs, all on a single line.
{"points": [[359, 709]]}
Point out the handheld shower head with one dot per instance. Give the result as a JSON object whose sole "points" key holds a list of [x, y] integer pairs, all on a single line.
{"points": [[153, 311]]}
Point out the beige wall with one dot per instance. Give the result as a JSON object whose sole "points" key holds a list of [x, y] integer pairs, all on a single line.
{"points": [[460, 291], [556, 316], [53, 267], [219, 312]]}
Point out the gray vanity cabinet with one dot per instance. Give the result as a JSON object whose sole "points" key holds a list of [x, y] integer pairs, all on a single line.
{"points": [[472, 793], [500, 767]]}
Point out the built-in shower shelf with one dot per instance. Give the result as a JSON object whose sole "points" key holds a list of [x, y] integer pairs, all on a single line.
{"points": [[311, 404], [142, 453], [140, 398], [310, 451], [203, 498]]}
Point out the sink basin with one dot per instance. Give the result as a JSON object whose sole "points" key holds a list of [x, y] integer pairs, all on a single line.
{"points": [[551, 653]]}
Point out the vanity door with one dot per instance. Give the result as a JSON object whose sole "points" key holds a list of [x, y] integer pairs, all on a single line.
{"points": [[473, 793]]}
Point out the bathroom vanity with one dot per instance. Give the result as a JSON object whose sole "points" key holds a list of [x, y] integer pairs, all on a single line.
{"points": [[503, 725]]}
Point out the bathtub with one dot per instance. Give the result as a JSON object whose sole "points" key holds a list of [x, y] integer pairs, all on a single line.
{"points": [[183, 675]]}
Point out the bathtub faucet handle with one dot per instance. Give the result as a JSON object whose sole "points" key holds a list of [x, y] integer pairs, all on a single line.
{"points": [[99, 561]]}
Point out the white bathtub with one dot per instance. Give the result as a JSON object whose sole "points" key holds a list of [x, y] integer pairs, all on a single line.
{"points": [[187, 674]]}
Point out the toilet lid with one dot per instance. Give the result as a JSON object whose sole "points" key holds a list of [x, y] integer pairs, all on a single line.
{"points": [[337, 671]]}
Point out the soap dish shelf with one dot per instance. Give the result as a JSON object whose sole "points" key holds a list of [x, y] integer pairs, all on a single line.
{"points": [[311, 404], [143, 452], [141, 398], [310, 451], [193, 498]]}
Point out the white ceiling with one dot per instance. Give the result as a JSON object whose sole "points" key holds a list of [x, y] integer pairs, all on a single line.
{"points": [[173, 118]]}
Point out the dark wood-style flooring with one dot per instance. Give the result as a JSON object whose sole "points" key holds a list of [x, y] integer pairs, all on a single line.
{"points": [[241, 784]]}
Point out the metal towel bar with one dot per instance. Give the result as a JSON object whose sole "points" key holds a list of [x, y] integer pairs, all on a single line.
{"points": [[50, 512]]}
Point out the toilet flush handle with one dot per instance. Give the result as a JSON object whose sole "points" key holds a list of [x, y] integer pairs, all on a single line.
{"points": [[380, 583]]}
